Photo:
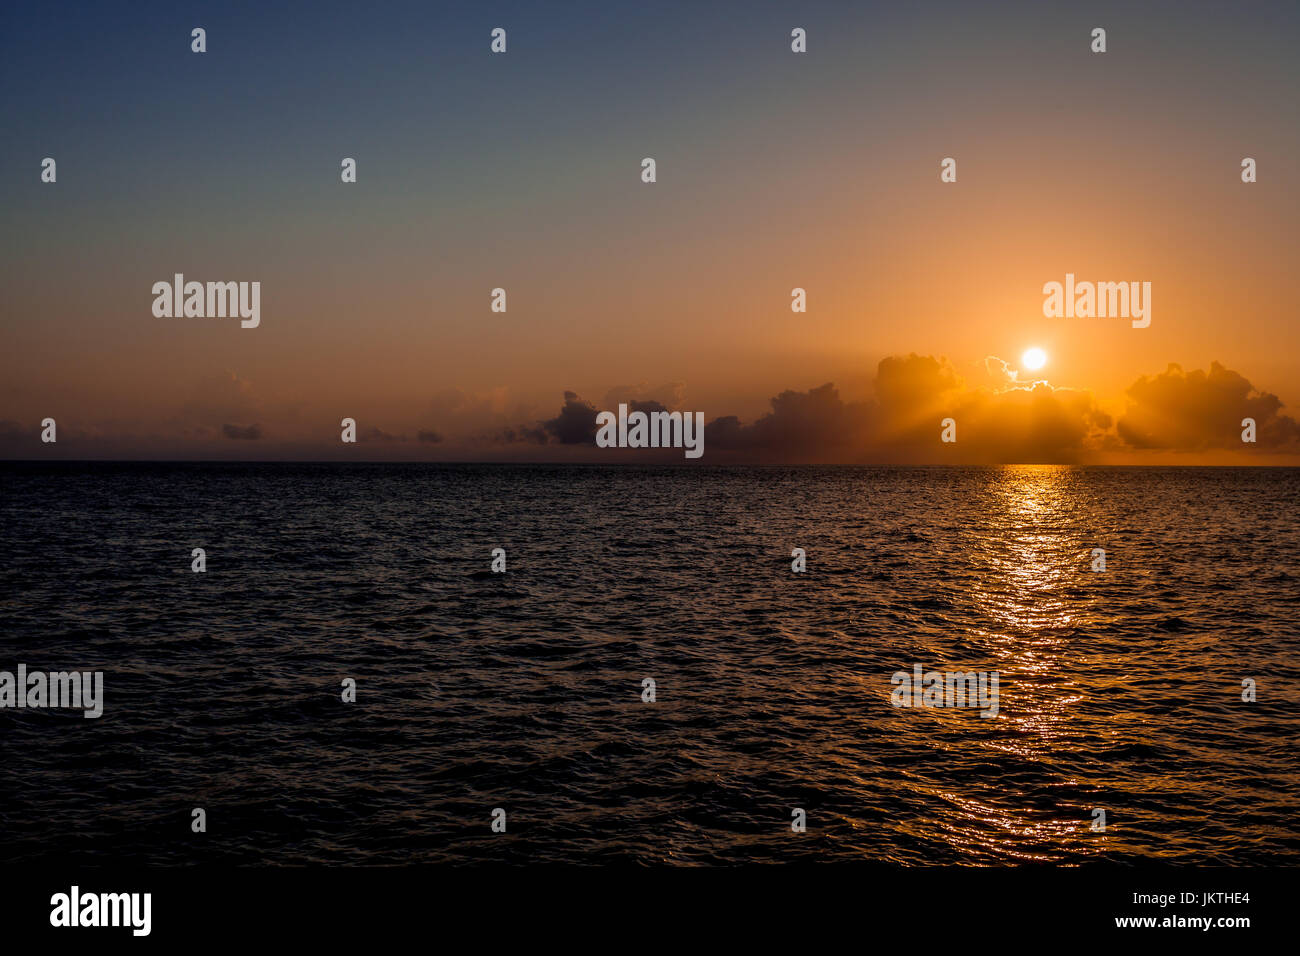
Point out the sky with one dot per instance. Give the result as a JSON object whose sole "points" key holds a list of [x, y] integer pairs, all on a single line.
{"points": [[774, 170]]}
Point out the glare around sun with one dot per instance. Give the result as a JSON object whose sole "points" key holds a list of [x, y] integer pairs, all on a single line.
{"points": [[1033, 359]]}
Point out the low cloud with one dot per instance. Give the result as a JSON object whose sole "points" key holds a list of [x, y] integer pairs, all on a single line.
{"points": [[576, 423], [1196, 410], [913, 394], [241, 432], [801, 424], [998, 419], [1001, 419]]}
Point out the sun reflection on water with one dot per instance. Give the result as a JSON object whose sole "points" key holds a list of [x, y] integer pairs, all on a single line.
{"points": [[1026, 565]]}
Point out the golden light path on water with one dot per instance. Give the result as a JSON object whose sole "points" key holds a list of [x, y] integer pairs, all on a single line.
{"points": [[1027, 562]]}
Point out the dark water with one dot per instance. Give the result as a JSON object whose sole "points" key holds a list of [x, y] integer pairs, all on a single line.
{"points": [[1119, 690]]}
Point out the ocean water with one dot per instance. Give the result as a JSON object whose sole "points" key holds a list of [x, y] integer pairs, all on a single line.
{"points": [[1119, 690]]}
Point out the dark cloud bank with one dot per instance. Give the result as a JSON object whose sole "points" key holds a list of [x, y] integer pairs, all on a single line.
{"points": [[1179, 411], [998, 420]]}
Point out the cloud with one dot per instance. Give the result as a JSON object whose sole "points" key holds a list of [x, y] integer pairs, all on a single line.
{"points": [[522, 433], [242, 432], [1036, 423], [1000, 371], [428, 435], [913, 394], [1196, 410], [814, 423], [576, 423], [1000, 420]]}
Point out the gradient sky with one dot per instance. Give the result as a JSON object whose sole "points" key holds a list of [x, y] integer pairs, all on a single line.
{"points": [[775, 170]]}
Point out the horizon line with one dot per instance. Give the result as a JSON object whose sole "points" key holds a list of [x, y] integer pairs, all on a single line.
{"points": [[612, 464]]}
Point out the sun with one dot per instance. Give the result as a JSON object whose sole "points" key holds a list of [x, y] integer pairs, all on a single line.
{"points": [[1033, 359]]}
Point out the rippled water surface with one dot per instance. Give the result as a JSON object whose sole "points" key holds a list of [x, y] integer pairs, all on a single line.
{"points": [[1119, 690]]}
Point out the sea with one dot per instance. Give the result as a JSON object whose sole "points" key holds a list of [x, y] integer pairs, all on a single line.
{"points": [[649, 681]]}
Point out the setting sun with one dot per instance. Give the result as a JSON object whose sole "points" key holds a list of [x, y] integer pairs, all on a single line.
{"points": [[1033, 359]]}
